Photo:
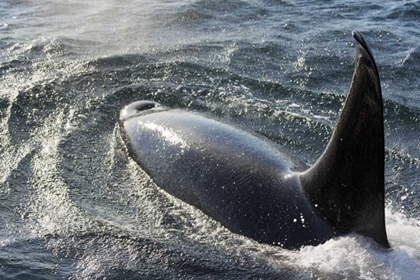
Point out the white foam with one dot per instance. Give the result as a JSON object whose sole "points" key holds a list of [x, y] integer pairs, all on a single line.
{"points": [[404, 233], [356, 257]]}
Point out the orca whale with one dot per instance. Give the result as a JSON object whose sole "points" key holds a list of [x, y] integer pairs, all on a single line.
{"points": [[245, 182]]}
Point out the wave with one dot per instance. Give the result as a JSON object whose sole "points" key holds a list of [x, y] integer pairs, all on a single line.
{"points": [[85, 210]]}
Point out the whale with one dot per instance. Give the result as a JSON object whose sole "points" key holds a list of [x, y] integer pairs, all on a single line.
{"points": [[249, 185]]}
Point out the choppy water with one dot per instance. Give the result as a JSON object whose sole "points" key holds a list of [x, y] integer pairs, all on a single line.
{"points": [[74, 206]]}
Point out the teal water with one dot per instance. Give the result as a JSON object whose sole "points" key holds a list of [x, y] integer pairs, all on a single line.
{"points": [[73, 205]]}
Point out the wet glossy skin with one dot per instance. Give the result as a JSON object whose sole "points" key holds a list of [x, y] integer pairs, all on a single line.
{"points": [[243, 180]]}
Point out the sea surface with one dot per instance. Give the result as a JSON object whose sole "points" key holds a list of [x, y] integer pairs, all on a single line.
{"points": [[73, 205]]}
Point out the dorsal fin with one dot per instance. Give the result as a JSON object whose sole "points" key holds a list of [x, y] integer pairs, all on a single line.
{"points": [[346, 184]]}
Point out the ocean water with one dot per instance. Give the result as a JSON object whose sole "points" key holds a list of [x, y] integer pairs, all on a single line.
{"points": [[73, 205]]}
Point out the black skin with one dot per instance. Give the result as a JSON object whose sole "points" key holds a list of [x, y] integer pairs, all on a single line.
{"points": [[243, 181]]}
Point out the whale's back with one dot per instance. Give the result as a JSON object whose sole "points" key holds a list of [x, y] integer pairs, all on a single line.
{"points": [[240, 179], [245, 182]]}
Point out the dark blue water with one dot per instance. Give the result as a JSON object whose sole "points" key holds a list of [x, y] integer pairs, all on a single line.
{"points": [[73, 205]]}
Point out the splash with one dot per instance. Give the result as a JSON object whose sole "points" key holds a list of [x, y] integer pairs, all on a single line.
{"points": [[356, 257]]}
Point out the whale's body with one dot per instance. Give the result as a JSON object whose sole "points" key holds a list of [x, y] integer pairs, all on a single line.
{"points": [[233, 176], [245, 182]]}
